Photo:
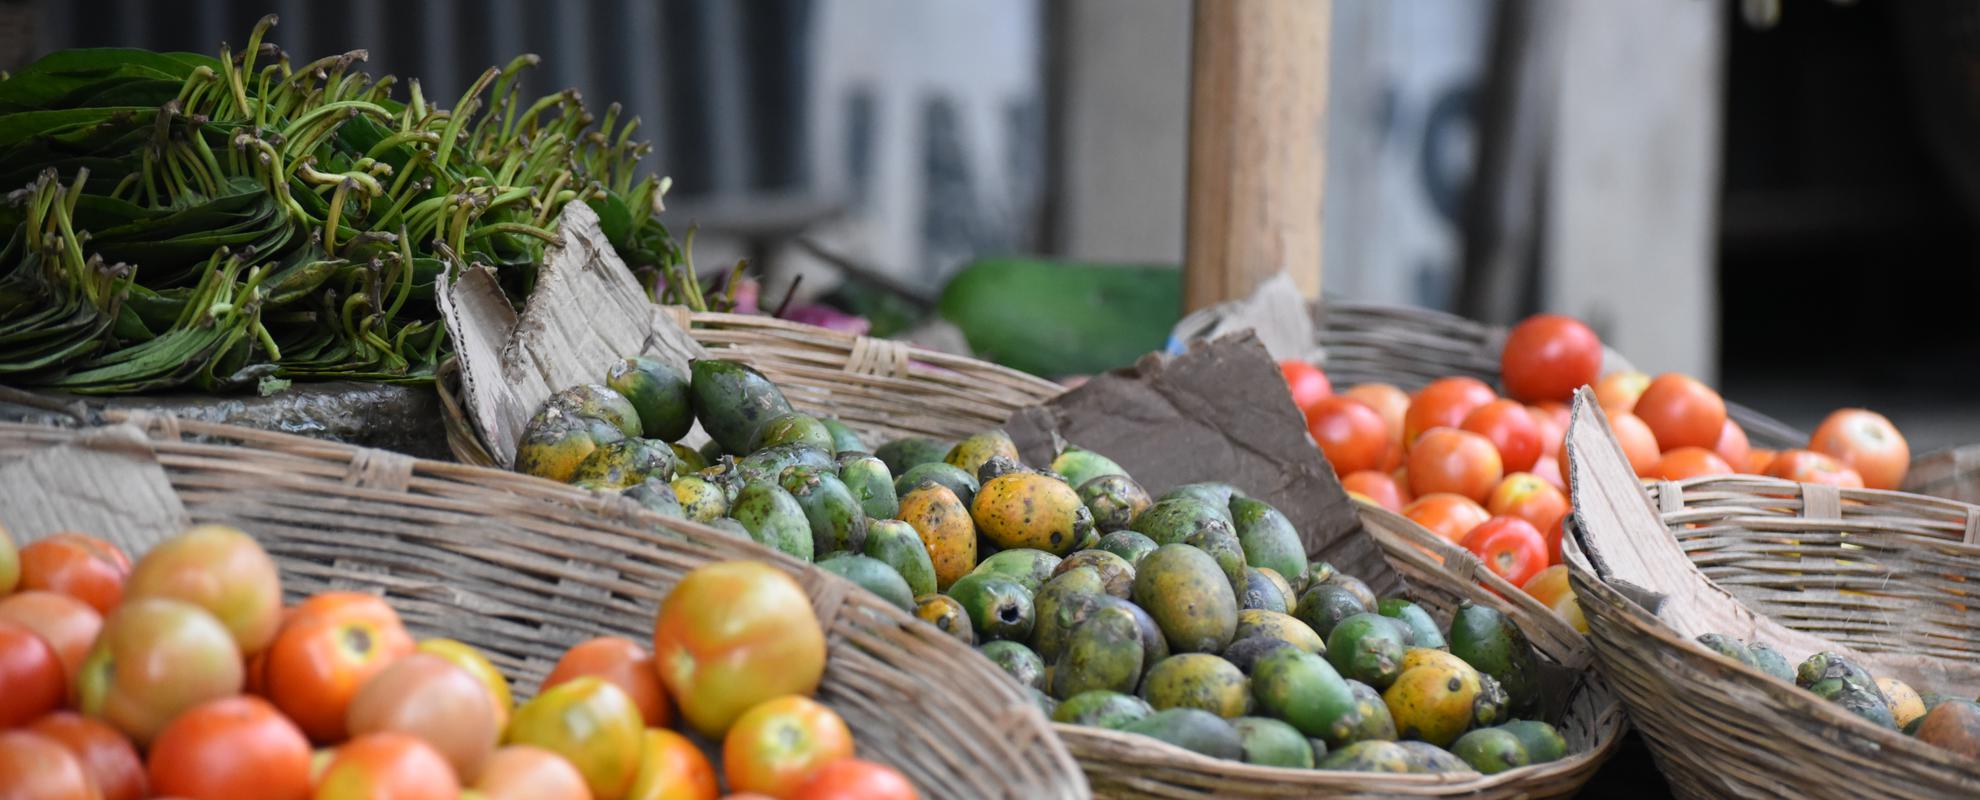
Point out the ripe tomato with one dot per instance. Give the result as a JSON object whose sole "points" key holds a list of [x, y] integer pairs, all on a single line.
{"points": [[1450, 516], [1378, 487], [1866, 442], [1550, 587], [1350, 434], [1639, 445], [853, 779], [65, 623], [1387, 400], [1808, 466], [523, 772], [427, 696], [155, 658], [1619, 391], [1443, 404], [1510, 429], [1732, 444], [108, 757], [1548, 468], [672, 768], [1510, 548], [778, 745], [84, 567], [1554, 535], [221, 570], [394, 765], [1682, 412], [1689, 462], [1551, 432], [32, 674], [36, 767], [591, 723], [1758, 459], [478, 665], [626, 665], [10, 563], [231, 747], [333, 644], [1455, 461], [1548, 356], [1526, 496], [732, 635], [1306, 382]]}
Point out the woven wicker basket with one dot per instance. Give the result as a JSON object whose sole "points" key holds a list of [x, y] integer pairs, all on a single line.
{"points": [[879, 387], [1881, 576], [1126, 765], [523, 568]]}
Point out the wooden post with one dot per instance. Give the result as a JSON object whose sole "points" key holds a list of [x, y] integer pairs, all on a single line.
{"points": [[1257, 146]]}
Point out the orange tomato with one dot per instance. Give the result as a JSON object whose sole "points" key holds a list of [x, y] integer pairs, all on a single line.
{"points": [[1618, 391], [623, 663], [672, 768], [1508, 426], [1808, 466], [1639, 445], [853, 779], [476, 664], [1378, 487], [155, 658], [1758, 459], [1444, 403], [387, 765], [231, 747], [65, 623], [108, 757], [427, 696], [1682, 412], [221, 570], [1550, 587], [1548, 356], [1550, 431], [32, 674], [523, 772], [1450, 516], [1689, 462], [1732, 444], [1526, 496], [1306, 382], [1554, 535], [84, 567], [1387, 400], [591, 723], [1351, 435], [1455, 461], [732, 635], [1866, 442], [332, 644], [36, 767], [1510, 547], [778, 745]]}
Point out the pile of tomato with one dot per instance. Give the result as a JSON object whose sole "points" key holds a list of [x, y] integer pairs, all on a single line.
{"points": [[183, 675], [1485, 470]]}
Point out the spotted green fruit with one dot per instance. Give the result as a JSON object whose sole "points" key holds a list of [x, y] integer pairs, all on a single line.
{"points": [[1192, 729], [1104, 652], [1423, 629], [596, 401], [700, 499], [1542, 741], [1272, 743], [1770, 661], [1284, 627], [1128, 545], [1030, 568], [1268, 538], [896, 543], [1368, 648], [1198, 680], [1429, 759], [1017, 661], [962, 484], [627, 462], [844, 439], [658, 393], [838, 525], [1116, 574], [794, 427], [1190, 520], [1182, 588], [1491, 750], [555, 442], [769, 463], [999, 608], [1490, 642], [969, 454], [655, 496], [1101, 708], [1116, 501], [1323, 607], [687, 460], [1061, 605], [1080, 465], [1217, 495], [905, 453], [873, 575], [773, 518], [1372, 755], [871, 484], [732, 400], [1261, 592], [1306, 691]]}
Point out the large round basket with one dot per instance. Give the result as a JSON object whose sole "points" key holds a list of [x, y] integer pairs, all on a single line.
{"points": [[1884, 578], [524, 568], [1438, 576]]}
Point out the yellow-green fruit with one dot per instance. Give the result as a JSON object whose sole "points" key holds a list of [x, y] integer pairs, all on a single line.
{"points": [[599, 402], [555, 443], [627, 462], [945, 529], [947, 615], [701, 500], [1198, 680], [591, 723], [1905, 703], [1432, 703], [1283, 627], [1187, 595], [1426, 657], [969, 454], [10, 563], [1024, 509]]}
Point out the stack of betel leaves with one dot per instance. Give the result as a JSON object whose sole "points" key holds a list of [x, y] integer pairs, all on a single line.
{"points": [[220, 223]]}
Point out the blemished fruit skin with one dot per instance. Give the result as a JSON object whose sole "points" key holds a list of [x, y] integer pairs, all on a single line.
{"points": [[905, 453], [1272, 743], [1192, 729], [838, 524], [1029, 567], [658, 392], [1325, 606], [947, 615], [1432, 703], [1028, 510], [773, 518], [872, 485], [1542, 741], [1198, 680], [962, 484], [1368, 648], [1080, 466], [873, 575], [1104, 652], [998, 607], [1372, 755], [1182, 588], [1102, 708], [945, 528], [732, 400], [794, 427], [1422, 628], [1061, 605], [1494, 646], [969, 454], [895, 542], [1115, 501], [844, 438], [1130, 545], [1491, 750], [1116, 574], [1017, 661]]}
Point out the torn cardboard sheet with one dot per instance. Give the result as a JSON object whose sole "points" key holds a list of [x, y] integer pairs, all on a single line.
{"points": [[106, 483], [1275, 310], [586, 312], [1219, 412]]}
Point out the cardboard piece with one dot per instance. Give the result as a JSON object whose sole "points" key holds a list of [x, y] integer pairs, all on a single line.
{"points": [[106, 482], [1219, 412], [1276, 311], [585, 313]]}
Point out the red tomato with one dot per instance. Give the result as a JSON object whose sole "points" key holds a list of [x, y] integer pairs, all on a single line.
{"points": [[1387, 400], [1350, 434], [1443, 404], [156, 658], [623, 663], [65, 623], [732, 635], [1682, 412], [1808, 466], [31, 673], [1732, 445], [232, 747], [1619, 391], [1866, 442], [1550, 431], [672, 768], [1550, 587], [524, 772], [1548, 356], [333, 644], [394, 765], [36, 767], [1689, 462], [1450, 516], [1554, 536], [853, 779], [1378, 487], [221, 570], [1548, 469], [429, 697], [1526, 496], [1510, 548], [108, 757], [778, 745], [1455, 461], [1758, 459], [1306, 382], [1510, 429], [1639, 445], [84, 567]]}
